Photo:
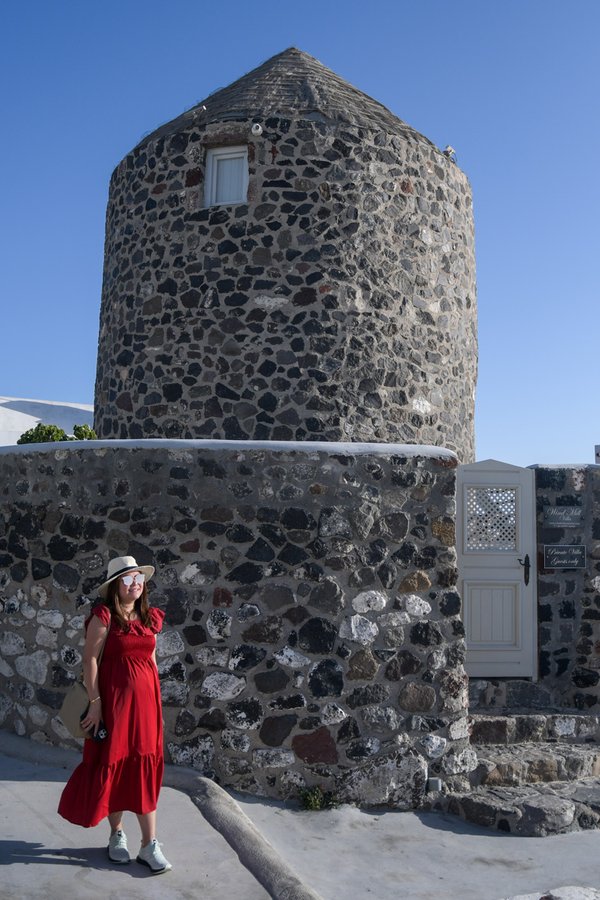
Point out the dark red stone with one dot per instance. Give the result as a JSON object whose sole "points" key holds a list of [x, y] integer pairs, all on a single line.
{"points": [[193, 177], [317, 747], [190, 546], [222, 597]]}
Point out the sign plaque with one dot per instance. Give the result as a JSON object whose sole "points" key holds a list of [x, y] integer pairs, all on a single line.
{"points": [[563, 516], [564, 556]]}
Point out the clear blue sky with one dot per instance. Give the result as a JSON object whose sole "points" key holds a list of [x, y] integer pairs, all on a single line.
{"points": [[512, 85]]}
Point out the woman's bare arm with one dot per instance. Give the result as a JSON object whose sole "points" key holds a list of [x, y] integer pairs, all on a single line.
{"points": [[94, 641]]}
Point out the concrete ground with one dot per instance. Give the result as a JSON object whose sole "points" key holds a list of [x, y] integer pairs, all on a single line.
{"points": [[224, 845]]}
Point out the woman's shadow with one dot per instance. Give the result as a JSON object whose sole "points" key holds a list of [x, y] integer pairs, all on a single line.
{"points": [[26, 853]]}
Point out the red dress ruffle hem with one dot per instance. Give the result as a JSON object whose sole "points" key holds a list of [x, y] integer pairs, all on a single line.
{"points": [[124, 771]]}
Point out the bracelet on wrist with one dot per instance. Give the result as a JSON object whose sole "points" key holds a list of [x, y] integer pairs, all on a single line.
{"points": [[94, 700]]}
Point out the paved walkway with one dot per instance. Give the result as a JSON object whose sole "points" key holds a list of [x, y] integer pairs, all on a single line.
{"points": [[228, 846]]}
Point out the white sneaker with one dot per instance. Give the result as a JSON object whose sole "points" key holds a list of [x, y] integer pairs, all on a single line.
{"points": [[117, 848], [151, 855]]}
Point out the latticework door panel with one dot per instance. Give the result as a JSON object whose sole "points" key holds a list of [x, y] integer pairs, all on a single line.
{"points": [[491, 518]]}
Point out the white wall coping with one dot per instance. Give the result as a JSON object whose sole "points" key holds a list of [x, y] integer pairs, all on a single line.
{"points": [[571, 466], [332, 448]]}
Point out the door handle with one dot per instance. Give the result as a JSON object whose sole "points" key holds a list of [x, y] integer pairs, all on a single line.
{"points": [[526, 567]]}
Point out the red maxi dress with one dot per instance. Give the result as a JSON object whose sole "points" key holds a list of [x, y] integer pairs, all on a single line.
{"points": [[124, 771]]}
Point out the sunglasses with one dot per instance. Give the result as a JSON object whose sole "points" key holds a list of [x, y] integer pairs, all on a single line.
{"points": [[128, 580]]}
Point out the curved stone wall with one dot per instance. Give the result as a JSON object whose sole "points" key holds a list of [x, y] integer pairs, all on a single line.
{"points": [[313, 631], [337, 304]]}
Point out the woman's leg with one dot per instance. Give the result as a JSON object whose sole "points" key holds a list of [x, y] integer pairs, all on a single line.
{"points": [[117, 844], [116, 821], [148, 826], [150, 853]]}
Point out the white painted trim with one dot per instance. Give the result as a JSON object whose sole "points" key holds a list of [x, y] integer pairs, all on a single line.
{"points": [[213, 155], [332, 448]]}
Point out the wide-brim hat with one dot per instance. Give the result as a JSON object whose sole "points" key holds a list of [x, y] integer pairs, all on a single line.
{"points": [[120, 565]]}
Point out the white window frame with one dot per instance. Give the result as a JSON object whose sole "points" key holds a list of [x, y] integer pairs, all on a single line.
{"points": [[213, 156]]}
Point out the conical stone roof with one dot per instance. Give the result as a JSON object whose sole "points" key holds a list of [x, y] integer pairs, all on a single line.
{"points": [[290, 84]]}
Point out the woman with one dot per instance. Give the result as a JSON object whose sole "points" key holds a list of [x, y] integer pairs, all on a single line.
{"points": [[122, 770]]}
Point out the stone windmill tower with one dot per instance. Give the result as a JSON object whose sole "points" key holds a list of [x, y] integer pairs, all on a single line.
{"points": [[288, 260]]}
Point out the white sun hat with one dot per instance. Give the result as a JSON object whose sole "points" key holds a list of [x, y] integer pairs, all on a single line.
{"points": [[120, 565]]}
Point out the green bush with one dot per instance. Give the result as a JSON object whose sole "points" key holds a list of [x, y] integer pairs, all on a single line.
{"points": [[44, 434], [84, 433], [314, 799]]}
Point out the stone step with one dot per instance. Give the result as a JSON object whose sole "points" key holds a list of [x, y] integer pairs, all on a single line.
{"points": [[531, 763], [508, 693], [512, 727], [532, 810]]}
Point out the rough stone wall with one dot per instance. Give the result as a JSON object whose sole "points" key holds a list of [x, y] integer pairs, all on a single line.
{"points": [[568, 603], [337, 304], [312, 633], [569, 599]]}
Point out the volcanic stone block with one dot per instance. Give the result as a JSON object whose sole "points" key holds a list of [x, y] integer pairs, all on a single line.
{"points": [[326, 679], [327, 597], [317, 636], [246, 656], [267, 631], [275, 729], [246, 714], [416, 697], [397, 780]]}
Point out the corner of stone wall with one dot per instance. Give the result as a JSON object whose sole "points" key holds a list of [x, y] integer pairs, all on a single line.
{"points": [[313, 632]]}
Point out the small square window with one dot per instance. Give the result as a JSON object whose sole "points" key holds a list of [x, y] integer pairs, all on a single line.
{"points": [[226, 176]]}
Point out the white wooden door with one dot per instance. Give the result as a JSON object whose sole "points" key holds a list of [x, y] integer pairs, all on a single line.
{"points": [[496, 544]]}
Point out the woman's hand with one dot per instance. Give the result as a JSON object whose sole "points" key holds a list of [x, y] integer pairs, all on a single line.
{"points": [[92, 718]]}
